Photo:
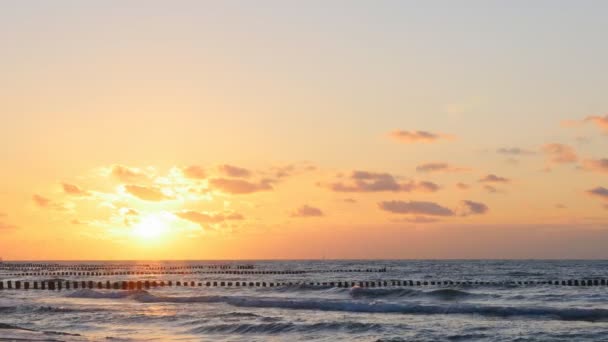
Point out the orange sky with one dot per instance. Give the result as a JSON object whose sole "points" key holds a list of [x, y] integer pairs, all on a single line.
{"points": [[200, 131]]}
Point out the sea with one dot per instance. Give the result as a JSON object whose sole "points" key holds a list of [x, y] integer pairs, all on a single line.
{"points": [[463, 300]]}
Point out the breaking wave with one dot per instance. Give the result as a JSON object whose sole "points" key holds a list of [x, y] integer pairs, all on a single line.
{"points": [[347, 305]]}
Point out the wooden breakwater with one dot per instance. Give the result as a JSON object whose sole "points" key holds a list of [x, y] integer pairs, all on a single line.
{"points": [[147, 284], [117, 272]]}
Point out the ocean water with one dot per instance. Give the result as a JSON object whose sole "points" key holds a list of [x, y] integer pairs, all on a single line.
{"points": [[503, 312]]}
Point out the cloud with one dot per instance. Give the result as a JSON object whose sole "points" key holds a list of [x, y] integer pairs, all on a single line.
{"points": [[307, 211], [600, 121], [462, 186], [410, 137], [72, 189], [234, 171], [127, 174], [439, 167], [492, 178], [600, 192], [204, 218], [47, 203], [514, 151], [597, 165], [40, 201], [560, 153], [364, 181], [350, 200], [415, 207], [490, 189], [128, 212], [194, 172], [239, 186], [146, 193], [474, 208]]}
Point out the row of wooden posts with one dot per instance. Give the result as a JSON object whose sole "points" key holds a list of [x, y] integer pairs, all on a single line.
{"points": [[138, 285], [257, 272], [32, 266]]}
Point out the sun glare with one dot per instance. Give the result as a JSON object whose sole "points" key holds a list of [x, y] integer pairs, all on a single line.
{"points": [[150, 227]]}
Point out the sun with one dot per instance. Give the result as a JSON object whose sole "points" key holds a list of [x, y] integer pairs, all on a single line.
{"points": [[151, 227]]}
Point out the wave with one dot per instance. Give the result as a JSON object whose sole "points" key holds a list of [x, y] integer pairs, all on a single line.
{"points": [[279, 328], [580, 314], [442, 294]]}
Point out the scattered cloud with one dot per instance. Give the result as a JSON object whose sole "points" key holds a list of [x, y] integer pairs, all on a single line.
{"points": [[597, 165], [600, 192], [410, 137], [490, 189], [127, 174], [128, 212], [205, 219], [474, 208], [600, 121], [514, 151], [350, 200], [415, 207], [560, 206], [240, 186], [560, 153], [47, 203], [439, 167], [146, 193], [307, 211], [40, 201], [72, 189], [234, 171], [194, 172], [492, 178], [462, 186], [364, 181]]}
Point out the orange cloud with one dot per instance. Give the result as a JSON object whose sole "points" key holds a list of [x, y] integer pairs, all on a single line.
{"points": [[560, 153], [47, 203], [439, 167], [600, 121], [410, 137], [600, 192], [40, 201], [597, 165], [307, 211], [462, 186], [492, 178], [127, 174], [474, 208], [234, 171], [490, 189], [72, 189], [194, 172], [240, 186], [415, 207], [364, 181], [204, 219], [146, 193]]}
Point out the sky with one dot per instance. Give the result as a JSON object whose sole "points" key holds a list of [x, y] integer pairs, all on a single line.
{"points": [[303, 130]]}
